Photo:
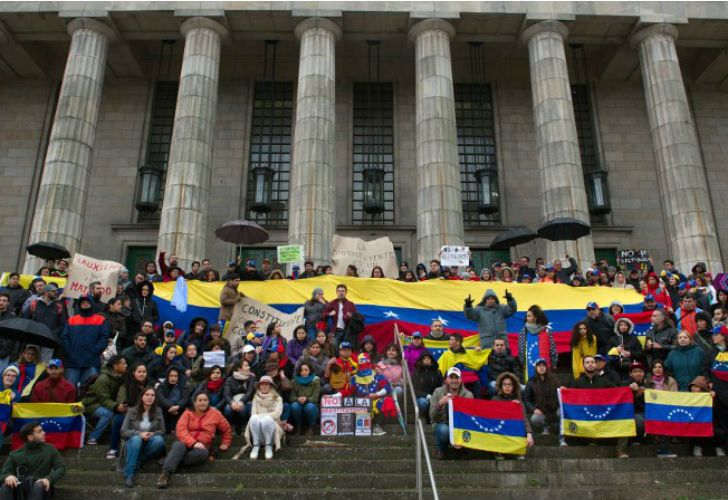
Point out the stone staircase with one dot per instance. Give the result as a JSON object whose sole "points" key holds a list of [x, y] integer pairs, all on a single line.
{"points": [[366, 468]]}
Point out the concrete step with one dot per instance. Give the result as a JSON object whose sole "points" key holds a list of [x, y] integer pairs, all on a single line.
{"points": [[653, 491]]}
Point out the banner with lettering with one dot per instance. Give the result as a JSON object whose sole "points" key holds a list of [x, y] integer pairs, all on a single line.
{"points": [[262, 315], [365, 255], [85, 270]]}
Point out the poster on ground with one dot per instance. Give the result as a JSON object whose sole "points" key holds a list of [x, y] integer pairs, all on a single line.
{"points": [[85, 270], [365, 255]]}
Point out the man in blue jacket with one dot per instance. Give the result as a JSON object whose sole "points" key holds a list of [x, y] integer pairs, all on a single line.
{"points": [[84, 338]]}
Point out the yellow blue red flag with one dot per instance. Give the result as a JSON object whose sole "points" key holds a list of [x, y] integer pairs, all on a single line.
{"points": [[496, 426], [597, 413], [63, 423], [684, 414]]}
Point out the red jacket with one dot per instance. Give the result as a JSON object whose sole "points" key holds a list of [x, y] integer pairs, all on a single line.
{"points": [[51, 391], [349, 309], [193, 427]]}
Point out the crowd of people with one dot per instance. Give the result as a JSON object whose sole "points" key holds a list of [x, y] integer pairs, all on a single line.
{"points": [[140, 378]]}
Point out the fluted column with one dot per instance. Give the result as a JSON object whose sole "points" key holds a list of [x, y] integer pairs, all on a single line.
{"points": [[439, 202], [183, 224], [311, 219], [689, 219], [562, 188], [59, 210]]}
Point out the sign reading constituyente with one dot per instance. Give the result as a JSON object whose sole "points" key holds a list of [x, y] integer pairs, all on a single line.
{"points": [[85, 270], [365, 255], [262, 315]]}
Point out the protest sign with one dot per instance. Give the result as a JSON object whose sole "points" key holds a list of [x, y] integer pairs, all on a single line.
{"points": [[85, 270], [365, 255], [455, 256], [634, 259], [262, 315], [346, 416], [213, 358], [290, 254]]}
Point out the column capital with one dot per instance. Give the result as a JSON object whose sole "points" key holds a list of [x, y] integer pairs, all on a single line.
{"points": [[203, 23], [318, 23], [551, 26], [656, 29], [87, 23], [433, 24]]}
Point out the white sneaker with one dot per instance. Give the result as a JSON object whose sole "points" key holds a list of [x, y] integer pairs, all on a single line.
{"points": [[254, 452], [545, 431], [562, 443], [697, 451], [378, 431], [719, 452], [268, 452]]}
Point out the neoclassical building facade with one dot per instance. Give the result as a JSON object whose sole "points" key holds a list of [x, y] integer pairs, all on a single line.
{"points": [[135, 127]]}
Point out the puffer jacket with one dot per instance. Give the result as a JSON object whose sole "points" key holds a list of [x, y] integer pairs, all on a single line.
{"points": [[193, 427], [491, 320], [84, 338]]}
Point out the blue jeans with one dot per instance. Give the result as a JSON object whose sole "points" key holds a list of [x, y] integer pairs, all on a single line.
{"points": [[304, 414], [286, 413], [139, 451], [424, 405], [79, 375], [106, 417], [238, 419], [311, 334], [442, 437]]}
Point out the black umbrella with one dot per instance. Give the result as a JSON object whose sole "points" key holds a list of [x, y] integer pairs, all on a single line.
{"points": [[512, 237], [28, 332], [564, 229], [241, 232], [47, 250]]}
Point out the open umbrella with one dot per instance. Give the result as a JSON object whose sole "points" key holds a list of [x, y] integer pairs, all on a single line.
{"points": [[512, 237], [47, 250], [28, 332], [564, 229], [241, 232]]}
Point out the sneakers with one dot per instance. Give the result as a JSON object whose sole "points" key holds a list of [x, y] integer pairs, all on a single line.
{"points": [[520, 457], [254, 452], [438, 455], [499, 457], [622, 454], [666, 454], [719, 452], [545, 431], [91, 442], [129, 481], [378, 431], [697, 451], [268, 452], [112, 454], [163, 480], [562, 443]]}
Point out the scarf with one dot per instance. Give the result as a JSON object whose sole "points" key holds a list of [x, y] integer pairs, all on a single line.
{"points": [[215, 385], [308, 380], [264, 398], [659, 382], [241, 375], [537, 346]]}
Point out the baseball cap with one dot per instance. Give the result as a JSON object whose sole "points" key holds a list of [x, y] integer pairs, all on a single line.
{"points": [[248, 348], [231, 263], [167, 324], [592, 305], [541, 360], [599, 357], [345, 345], [720, 330], [454, 371], [56, 363], [417, 335], [649, 297], [50, 287], [636, 364]]}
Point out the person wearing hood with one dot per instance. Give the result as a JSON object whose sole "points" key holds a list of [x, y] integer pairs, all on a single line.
{"points": [[195, 334], [686, 361], [117, 323], [421, 272], [159, 366], [426, 377], [719, 377], [298, 344], [703, 338], [238, 392], [536, 340], [541, 399], [701, 384], [144, 303], [173, 395], [413, 351], [84, 338], [624, 348], [9, 386], [654, 288], [312, 311], [601, 324], [500, 361], [317, 360], [369, 346], [490, 316]]}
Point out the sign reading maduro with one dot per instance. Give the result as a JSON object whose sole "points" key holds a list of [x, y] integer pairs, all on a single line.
{"points": [[85, 270]]}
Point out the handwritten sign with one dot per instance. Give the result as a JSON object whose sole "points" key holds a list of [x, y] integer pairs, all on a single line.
{"points": [[346, 416], [85, 270], [213, 358], [290, 254], [634, 259], [365, 255], [262, 315], [455, 256]]}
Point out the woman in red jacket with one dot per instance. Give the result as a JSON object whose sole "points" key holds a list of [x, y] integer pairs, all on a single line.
{"points": [[195, 433]]}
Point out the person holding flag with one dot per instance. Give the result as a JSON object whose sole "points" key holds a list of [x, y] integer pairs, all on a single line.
{"points": [[439, 412], [508, 388], [471, 363], [536, 341], [719, 378]]}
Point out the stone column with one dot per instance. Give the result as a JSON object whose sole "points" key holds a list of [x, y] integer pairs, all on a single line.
{"points": [[562, 180], [311, 204], [689, 220], [183, 225], [59, 210], [439, 202]]}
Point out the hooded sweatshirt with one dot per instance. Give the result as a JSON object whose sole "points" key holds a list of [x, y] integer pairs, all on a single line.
{"points": [[412, 353], [426, 379], [491, 320], [630, 343]]}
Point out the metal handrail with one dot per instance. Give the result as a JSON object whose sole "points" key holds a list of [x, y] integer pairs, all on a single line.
{"points": [[420, 440]]}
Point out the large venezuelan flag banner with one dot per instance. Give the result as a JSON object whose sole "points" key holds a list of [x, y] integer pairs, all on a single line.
{"points": [[412, 306], [496, 426], [597, 413], [63, 423], [684, 414]]}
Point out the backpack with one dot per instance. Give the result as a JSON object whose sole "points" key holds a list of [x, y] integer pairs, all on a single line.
{"points": [[82, 391], [34, 306]]}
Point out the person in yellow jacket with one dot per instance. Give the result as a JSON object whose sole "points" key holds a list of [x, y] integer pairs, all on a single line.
{"points": [[583, 344]]}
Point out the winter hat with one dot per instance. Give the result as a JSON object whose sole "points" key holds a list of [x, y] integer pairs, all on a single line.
{"points": [[363, 362], [490, 293], [11, 368], [317, 290], [265, 379]]}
